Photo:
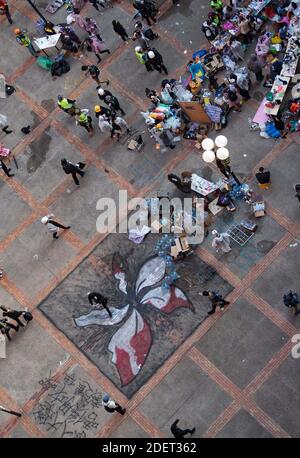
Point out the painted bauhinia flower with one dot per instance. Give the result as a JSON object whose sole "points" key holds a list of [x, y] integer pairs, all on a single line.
{"points": [[131, 343]]}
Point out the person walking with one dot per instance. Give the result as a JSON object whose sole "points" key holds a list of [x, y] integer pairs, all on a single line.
{"points": [[98, 47], [110, 100], [263, 177], [73, 169], [142, 39], [255, 66], [5, 327], [221, 241], [112, 406], [83, 119], [66, 105], [13, 314], [156, 60], [216, 300], [179, 433], [291, 300], [119, 29], [93, 71], [6, 170], [24, 40], [16, 315], [52, 225], [96, 299], [90, 26], [5, 10]]}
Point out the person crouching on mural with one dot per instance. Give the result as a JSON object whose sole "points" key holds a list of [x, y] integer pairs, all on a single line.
{"points": [[96, 299], [112, 406]]}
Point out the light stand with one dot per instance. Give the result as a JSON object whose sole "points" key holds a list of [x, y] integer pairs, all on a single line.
{"points": [[222, 153]]}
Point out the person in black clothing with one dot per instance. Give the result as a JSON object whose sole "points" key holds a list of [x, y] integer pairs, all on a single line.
{"points": [[263, 177], [5, 327], [180, 433], [97, 299], [119, 29], [93, 71], [110, 100], [156, 60], [5, 10], [291, 300], [181, 185], [16, 315], [216, 300], [5, 169], [73, 169], [101, 110]]}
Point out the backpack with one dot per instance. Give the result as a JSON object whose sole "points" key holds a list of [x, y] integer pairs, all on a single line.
{"points": [[44, 62]]}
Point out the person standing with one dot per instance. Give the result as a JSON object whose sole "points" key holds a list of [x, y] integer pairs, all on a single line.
{"points": [[112, 406], [96, 299], [118, 124], [119, 29], [142, 57], [221, 241], [5, 10], [263, 177], [98, 47], [156, 60], [255, 66], [83, 119], [66, 105], [179, 433], [73, 169], [245, 29], [53, 226], [291, 300], [24, 40], [102, 111], [5, 169], [216, 300]]}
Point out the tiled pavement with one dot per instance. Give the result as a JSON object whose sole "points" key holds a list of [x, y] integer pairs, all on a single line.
{"points": [[230, 376]]}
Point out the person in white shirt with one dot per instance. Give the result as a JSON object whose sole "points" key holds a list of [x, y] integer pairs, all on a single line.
{"points": [[112, 406], [53, 226]]}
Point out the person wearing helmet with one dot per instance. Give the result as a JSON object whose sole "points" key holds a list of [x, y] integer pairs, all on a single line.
{"points": [[142, 57], [53, 226], [67, 105], [112, 406], [110, 100], [5, 10], [73, 169], [156, 60], [102, 111], [83, 119], [24, 40]]}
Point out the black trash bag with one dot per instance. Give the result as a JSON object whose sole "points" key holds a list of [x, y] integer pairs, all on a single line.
{"points": [[9, 90]]}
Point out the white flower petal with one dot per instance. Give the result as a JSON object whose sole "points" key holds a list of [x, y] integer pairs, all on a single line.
{"points": [[151, 273]]}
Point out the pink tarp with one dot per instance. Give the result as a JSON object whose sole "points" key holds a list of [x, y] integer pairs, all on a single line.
{"points": [[260, 116]]}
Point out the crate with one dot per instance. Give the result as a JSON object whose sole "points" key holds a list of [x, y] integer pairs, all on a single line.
{"points": [[239, 235]]}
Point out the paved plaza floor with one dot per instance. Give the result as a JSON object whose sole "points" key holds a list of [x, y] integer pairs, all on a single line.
{"points": [[231, 374]]}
